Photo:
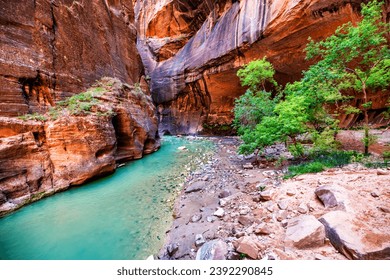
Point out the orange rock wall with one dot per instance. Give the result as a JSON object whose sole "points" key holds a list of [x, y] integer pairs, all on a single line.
{"points": [[40, 158], [194, 80], [53, 49]]}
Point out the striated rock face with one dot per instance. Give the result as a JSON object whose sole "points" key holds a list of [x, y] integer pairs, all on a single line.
{"points": [[52, 49], [192, 50], [40, 158]]}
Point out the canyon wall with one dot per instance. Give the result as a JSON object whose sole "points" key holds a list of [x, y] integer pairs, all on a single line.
{"points": [[39, 158], [51, 50], [192, 50]]}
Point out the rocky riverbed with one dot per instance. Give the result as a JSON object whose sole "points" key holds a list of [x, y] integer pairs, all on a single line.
{"points": [[230, 209]]}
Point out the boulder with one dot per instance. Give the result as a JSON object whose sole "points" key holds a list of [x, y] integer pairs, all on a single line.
{"points": [[384, 209], [248, 245], [213, 250], [224, 201], [355, 240], [195, 187], [305, 232], [332, 197]]}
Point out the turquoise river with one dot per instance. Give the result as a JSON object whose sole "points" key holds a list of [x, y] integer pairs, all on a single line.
{"points": [[123, 216]]}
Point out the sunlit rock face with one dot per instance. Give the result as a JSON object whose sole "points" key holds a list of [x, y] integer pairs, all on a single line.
{"points": [[193, 49], [53, 49], [50, 50], [40, 158]]}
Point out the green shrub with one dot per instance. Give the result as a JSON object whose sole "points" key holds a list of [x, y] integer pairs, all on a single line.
{"points": [[297, 150], [320, 162], [33, 117]]}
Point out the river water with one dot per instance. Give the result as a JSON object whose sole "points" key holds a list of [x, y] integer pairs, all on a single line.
{"points": [[123, 216]]}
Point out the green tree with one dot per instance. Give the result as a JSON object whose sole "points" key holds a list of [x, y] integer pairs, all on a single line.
{"points": [[256, 103], [355, 58]]}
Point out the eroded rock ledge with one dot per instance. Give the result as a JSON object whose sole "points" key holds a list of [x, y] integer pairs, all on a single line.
{"points": [[40, 158]]}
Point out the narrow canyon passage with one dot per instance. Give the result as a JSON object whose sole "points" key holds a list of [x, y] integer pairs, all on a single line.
{"points": [[123, 216]]}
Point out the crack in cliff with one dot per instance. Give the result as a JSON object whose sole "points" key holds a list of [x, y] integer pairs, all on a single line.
{"points": [[53, 43], [263, 16], [107, 8]]}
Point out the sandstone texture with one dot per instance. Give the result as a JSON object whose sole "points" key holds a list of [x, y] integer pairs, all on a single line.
{"points": [[53, 49], [193, 49], [304, 232], [40, 158], [354, 239]]}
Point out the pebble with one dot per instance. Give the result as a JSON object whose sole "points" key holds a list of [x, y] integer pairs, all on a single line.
{"points": [[374, 194], [199, 240], [196, 218], [210, 219], [284, 223], [172, 249], [290, 192], [302, 208], [320, 257], [247, 166], [219, 213], [283, 204], [382, 172], [384, 209]]}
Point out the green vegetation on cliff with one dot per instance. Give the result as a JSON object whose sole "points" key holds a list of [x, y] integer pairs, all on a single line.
{"points": [[90, 102]]}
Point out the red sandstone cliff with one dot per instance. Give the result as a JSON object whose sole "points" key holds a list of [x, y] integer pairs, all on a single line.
{"points": [[53, 49], [41, 158], [192, 50]]}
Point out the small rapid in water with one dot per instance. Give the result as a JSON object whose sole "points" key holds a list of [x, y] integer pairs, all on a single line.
{"points": [[123, 216]]}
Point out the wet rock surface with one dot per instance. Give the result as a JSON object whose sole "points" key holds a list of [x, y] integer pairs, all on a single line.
{"points": [[292, 223]]}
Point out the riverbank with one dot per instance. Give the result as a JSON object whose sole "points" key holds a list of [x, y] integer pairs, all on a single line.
{"points": [[228, 210], [123, 216]]}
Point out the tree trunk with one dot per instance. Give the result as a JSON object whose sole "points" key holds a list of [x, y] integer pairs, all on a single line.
{"points": [[366, 125]]}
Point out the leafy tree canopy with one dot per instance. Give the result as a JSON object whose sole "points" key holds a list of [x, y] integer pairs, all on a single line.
{"points": [[356, 58]]}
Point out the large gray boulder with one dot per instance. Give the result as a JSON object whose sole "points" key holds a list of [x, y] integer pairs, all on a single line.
{"points": [[332, 197], [213, 250]]}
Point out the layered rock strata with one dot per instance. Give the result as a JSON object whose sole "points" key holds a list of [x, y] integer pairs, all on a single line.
{"points": [[53, 49], [49, 51], [38, 158], [192, 50]]}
